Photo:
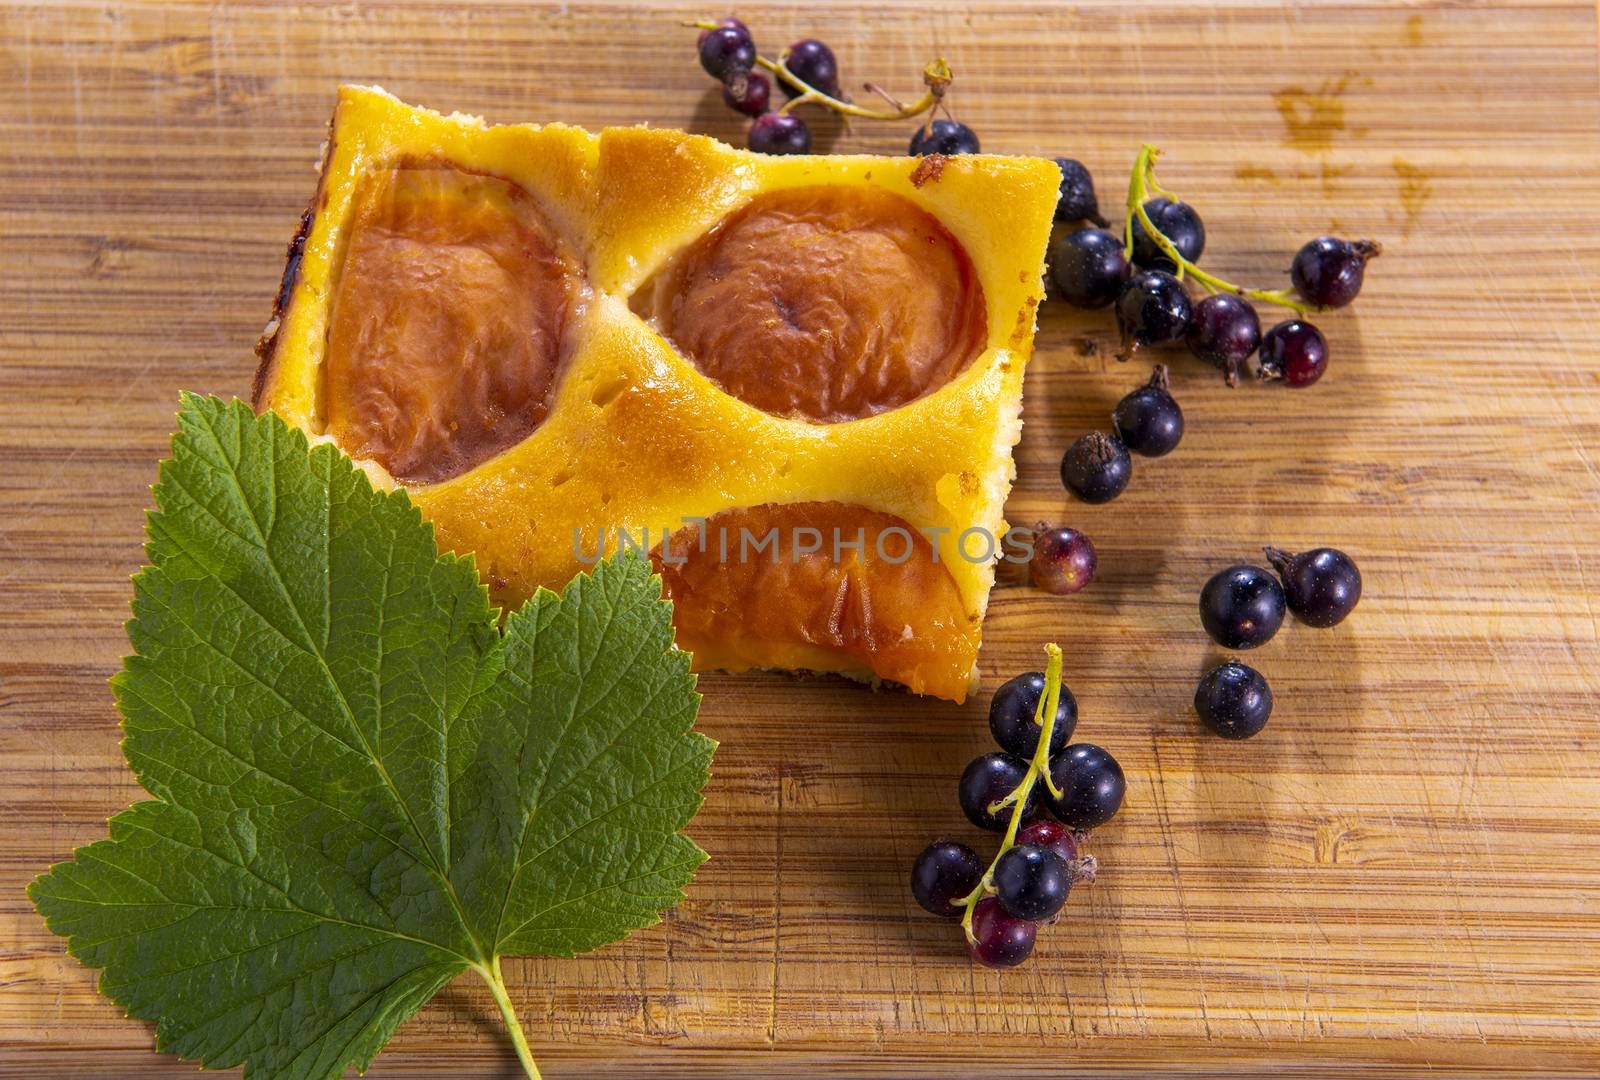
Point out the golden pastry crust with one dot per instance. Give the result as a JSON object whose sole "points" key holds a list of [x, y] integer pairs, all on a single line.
{"points": [[636, 436]]}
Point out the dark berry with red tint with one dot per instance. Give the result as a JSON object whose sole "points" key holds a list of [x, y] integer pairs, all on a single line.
{"points": [[999, 940], [755, 92], [1053, 835], [1294, 351], [944, 137], [1223, 332], [1321, 586], [1011, 712], [1089, 268], [1091, 785], [1063, 562], [1148, 420], [780, 133], [944, 874], [986, 781], [1179, 223], [1096, 468], [1031, 882], [813, 63], [727, 52], [1327, 272], [1242, 607], [1153, 309], [1233, 700]]}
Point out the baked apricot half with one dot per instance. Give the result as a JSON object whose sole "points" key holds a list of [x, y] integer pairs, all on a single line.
{"points": [[446, 327], [828, 303], [824, 586]]}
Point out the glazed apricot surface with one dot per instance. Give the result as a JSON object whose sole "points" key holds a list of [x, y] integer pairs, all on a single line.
{"points": [[740, 603], [827, 303], [446, 327]]}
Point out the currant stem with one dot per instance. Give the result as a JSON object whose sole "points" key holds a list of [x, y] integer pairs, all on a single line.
{"points": [[497, 985], [874, 88], [936, 76], [1044, 714], [1141, 185]]}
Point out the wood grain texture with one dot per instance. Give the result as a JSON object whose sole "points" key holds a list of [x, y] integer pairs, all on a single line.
{"points": [[1400, 877]]}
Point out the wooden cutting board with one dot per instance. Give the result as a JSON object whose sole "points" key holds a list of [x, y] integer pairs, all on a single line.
{"points": [[1401, 876]]}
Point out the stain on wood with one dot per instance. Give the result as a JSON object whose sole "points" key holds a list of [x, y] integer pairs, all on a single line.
{"points": [[1400, 876]]}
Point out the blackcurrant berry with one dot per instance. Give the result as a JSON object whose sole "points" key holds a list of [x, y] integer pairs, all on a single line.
{"points": [[1179, 223], [727, 52], [943, 137], [729, 20], [999, 940], [1148, 420], [1063, 562], [1089, 268], [1053, 835], [1091, 784], [813, 63], [1294, 351], [1031, 882], [1096, 468], [1241, 607], [1327, 271], [1011, 715], [986, 781], [1223, 332], [1233, 700], [1153, 309], [780, 133], [757, 93], [1077, 201], [943, 874], [1322, 585]]}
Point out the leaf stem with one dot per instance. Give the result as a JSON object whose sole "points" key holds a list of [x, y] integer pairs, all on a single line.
{"points": [[1141, 184], [497, 986], [1044, 714]]}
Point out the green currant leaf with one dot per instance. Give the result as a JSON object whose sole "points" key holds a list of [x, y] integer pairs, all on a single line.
{"points": [[360, 786]]}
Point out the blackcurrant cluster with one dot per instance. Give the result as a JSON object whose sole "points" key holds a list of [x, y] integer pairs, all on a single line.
{"points": [[1242, 607], [728, 53], [1031, 718], [1097, 468], [1147, 421], [1142, 273], [808, 72]]}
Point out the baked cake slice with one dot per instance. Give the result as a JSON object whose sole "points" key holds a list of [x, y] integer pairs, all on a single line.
{"points": [[795, 382]]}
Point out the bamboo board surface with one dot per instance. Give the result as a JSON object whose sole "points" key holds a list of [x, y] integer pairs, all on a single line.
{"points": [[1402, 875]]}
